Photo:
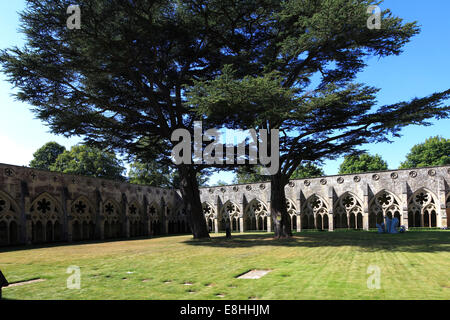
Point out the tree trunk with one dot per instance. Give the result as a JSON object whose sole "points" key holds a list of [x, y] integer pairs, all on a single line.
{"points": [[279, 214], [191, 197]]}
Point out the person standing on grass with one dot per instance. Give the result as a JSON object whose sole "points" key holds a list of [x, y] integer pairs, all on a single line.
{"points": [[3, 283], [228, 229]]}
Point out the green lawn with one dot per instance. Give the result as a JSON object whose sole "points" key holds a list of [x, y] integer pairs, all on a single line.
{"points": [[312, 265]]}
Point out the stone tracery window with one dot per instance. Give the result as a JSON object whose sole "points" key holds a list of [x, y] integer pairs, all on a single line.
{"points": [[422, 209], [210, 215], [348, 212], [82, 219], [231, 212], [292, 211], [112, 227], [45, 219], [384, 204], [315, 213], [256, 215], [9, 220]]}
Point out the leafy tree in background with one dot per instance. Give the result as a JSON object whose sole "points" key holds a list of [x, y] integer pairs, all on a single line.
{"points": [[435, 151], [157, 175], [307, 170], [363, 162], [252, 174], [89, 161], [150, 174], [46, 155]]}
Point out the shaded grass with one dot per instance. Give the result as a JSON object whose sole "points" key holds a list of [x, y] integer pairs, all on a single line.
{"points": [[311, 265]]}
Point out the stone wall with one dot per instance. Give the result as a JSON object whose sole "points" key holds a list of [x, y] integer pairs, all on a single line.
{"points": [[40, 206], [418, 198]]}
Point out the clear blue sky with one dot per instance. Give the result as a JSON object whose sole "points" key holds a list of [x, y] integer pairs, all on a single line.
{"points": [[422, 69]]}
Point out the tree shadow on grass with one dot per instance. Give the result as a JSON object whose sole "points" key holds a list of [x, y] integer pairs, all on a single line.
{"points": [[412, 241], [79, 243]]}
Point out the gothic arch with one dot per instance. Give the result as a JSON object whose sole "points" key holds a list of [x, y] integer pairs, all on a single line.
{"points": [[135, 219], [422, 209], [315, 213], [210, 215], [82, 219], [292, 211], [9, 220], [384, 204], [230, 211], [112, 225], [256, 215], [155, 218], [348, 212], [46, 224]]}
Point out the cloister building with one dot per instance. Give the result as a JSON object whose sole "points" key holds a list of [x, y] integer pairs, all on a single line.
{"points": [[40, 206]]}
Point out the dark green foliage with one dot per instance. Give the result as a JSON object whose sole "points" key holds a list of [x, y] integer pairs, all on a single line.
{"points": [[251, 174], [435, 151], [89, 161], [157, 175], [308, 170], [362, 163], [46, 155]]}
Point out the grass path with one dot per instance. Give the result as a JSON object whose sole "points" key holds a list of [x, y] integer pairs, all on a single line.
{"points": [[311, 265]]}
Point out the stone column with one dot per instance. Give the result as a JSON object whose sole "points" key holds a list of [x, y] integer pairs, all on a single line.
{"points": [[299, 222], [441, 210], [28, 226], [216, 225], [404, 206], [331, 209], [241, 225], [365, 208], [269, 224]]}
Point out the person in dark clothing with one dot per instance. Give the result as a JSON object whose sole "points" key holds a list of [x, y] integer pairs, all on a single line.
{"points": [[3, 283], [228, 229]]}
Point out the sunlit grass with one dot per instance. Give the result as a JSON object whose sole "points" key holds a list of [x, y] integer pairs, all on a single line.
{"points": [[312, 265]]}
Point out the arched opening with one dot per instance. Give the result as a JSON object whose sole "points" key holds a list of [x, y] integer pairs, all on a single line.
{"points": [[304, 221], [49, 231], [38, 232], [326, 225], [372, 221], [294, 222], [417, 222], [319, 221], [85, 231], [359, 221], [311, 222], [3, 233], [433, 219], [352, 221], [107, 230], [13, 233], [76, 231], [57, 231]]}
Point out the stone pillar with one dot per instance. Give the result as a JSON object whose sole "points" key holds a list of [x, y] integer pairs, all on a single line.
{"points": [[441, 210], [67, 221], [66, 202], [216, 225], [404, 206], [331, 209], [299, 222], [69, 229], [269, 224], [241, 225], [365, 208], [28, 226]]}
